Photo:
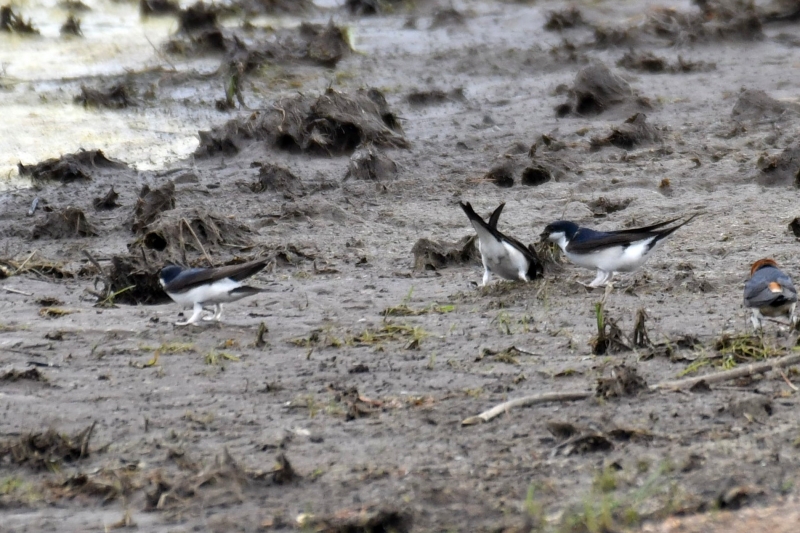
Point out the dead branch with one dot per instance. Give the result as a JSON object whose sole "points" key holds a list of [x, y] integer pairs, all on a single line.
{"points": [[727, 375], [524, 402], [200, 244]]}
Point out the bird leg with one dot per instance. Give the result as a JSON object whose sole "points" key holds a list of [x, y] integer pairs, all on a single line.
{"points": [[755, 318], [197, 311], [213, 315], [601, 279], [487, 275]]}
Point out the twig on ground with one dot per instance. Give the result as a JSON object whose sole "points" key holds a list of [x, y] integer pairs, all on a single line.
{"points": [[524, 402], [15, 291], [676, 385], [727, 375], [200, 244]]}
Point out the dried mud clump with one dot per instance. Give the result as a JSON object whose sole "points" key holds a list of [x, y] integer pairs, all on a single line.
{"points": [[174, 232], [435, 255], [135, 281], [563, 19], [197, 16], [595, 90], [780, 170], [364, 521], [116, 96], [633, 132], [72, 26], [757, 106], [435, 97], [150, 204], [66, 223], [316, 44], [277, 179], [623, 381], [370, 7], [150, 8], [107, 202], [12, 23], [447, 17], [47, 450], [649, 62], [370, 164], [334, 123], [70, 167], [277, 7], [501, 175]]}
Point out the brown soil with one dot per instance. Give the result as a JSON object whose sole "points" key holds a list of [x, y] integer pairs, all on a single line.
{"points": [[334, 400]]}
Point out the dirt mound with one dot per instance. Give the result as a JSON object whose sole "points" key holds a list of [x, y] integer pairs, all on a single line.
{"points": [[623, 381], [197, 16], [317, 44], [364, 521], [369, 163], [435, 255], [116, 96], [725, 20], [70, 167], [276, 7], [370, 7], [757, 105], [334, 123], [595, 90], [435, 97], [12, 23], [135, 281], [72, 26], [631, 133], [564, 18], [780, 170], [149, 8], [276, 178], [150, 204], [109, 201], [649, 62], [47, 450], [177, 231], [539, 165], [66, 223]]}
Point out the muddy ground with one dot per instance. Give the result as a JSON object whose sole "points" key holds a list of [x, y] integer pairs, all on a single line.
{"points": [[344, 416]]}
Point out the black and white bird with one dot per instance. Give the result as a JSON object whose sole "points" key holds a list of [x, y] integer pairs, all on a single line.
{"points": [[608, 251], [501, 254], [201, 287], [769, 292]]}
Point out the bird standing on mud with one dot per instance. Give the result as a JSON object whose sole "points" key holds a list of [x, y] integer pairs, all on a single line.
{"points": [[199, 287], [608, 251], [769, 292], [501, 254]]}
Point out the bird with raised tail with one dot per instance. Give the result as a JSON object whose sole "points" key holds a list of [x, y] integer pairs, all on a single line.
{"points": [[769, 292], [608, 251], [502, 255], [202, 287]]}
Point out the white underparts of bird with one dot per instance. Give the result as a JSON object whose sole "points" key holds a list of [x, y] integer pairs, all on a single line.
{"points": [[769, 293], [502, 255], [203, 287], [609, 251]]}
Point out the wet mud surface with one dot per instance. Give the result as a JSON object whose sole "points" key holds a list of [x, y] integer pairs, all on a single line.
{"points": [[334, 401]]}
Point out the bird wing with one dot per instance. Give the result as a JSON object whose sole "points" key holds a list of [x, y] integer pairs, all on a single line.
{"points": [[653, 227], [495, 217], [188, 279], [769, 286], [479, 224], [589, 241], [597, 241]]}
